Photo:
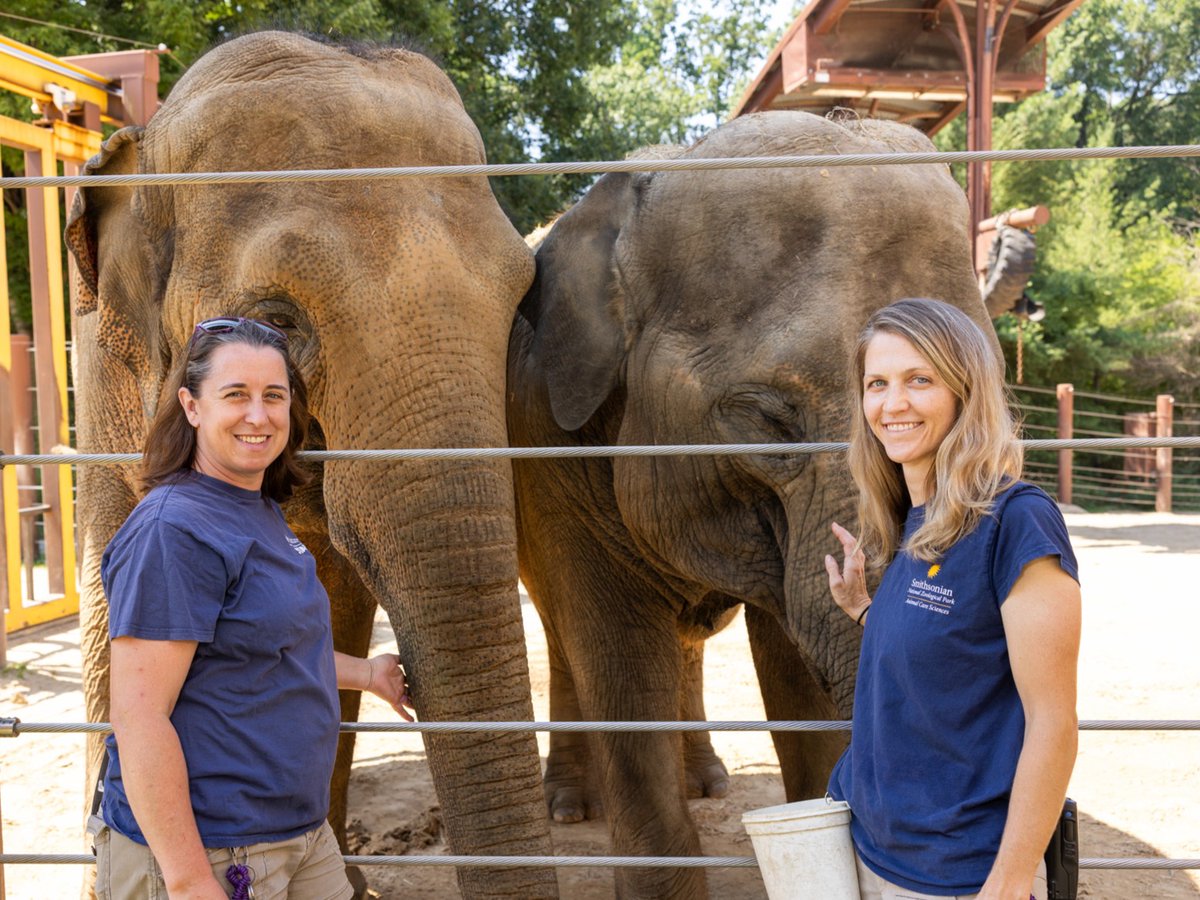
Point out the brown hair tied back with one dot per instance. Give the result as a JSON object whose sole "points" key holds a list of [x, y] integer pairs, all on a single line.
{"points": [[171, 443]]}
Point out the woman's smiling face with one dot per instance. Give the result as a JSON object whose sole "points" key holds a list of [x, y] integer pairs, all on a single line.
{"points": [[241, 415], [908, 407]]}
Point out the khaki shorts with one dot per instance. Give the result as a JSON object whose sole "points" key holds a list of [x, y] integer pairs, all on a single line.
{"points": [[872, 887], [307, 867]]}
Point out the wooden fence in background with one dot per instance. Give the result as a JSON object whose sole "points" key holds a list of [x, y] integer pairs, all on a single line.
{"points": [[1163, 479]]}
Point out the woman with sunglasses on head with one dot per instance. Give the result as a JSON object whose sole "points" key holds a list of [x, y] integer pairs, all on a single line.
{"points": [[224, 679], [965, 729]]}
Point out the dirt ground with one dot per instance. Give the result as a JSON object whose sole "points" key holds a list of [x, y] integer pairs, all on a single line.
{"points": [[1138, 792]]}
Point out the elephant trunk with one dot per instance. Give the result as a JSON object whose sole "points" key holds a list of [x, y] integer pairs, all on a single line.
{"points": [[828, 639], [436, 544]]}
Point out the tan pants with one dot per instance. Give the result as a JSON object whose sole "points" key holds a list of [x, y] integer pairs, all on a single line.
{"points": [[872, 887], [307, 867]]}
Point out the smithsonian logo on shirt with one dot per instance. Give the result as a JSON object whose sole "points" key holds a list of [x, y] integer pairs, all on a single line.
{"points": [[924, 594]]}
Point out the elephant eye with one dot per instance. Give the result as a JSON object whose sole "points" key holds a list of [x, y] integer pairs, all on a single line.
{"points": [[286, 323], [768, 414]]}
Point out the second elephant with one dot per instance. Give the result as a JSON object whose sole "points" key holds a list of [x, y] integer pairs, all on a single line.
{"points": [[697, 308]]}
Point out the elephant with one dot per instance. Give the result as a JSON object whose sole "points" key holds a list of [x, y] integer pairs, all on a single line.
{"points": [[696, 307], [397, 297]]}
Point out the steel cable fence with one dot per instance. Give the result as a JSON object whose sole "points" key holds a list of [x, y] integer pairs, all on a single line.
{"points": [[14, 727]]}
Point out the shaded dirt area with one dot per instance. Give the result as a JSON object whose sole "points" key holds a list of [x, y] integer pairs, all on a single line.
{"points": [[1138, 791]]}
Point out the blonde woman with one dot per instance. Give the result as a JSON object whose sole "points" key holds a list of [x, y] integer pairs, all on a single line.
{"points": [[964, 713]]}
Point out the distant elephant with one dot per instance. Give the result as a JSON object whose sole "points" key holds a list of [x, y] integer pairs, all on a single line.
{"points": [[397, 297], [693, 308]]}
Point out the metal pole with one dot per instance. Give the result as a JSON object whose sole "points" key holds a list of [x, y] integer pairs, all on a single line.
{"points": [[10, 588], [3, 892], [21, 430], [1066, 424], [1164, 413], [8, 597], [48, 406], [986, 47]]}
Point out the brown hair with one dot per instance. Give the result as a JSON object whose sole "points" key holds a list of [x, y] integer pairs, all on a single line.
{"points": [[171, 443], [977, 458]]}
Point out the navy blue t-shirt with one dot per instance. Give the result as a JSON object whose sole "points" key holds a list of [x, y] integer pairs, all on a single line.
{"points": [[202, 560], [938, 723]]}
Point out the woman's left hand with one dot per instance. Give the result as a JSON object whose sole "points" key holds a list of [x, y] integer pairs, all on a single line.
{"points": [[387, 682]]}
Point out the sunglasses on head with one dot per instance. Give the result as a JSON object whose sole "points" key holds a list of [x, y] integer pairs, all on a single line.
{"points": [[225, 324]]}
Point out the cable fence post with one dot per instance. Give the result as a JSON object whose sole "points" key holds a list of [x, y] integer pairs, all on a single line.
{"points": [[1164, 410], [1066, 429]]}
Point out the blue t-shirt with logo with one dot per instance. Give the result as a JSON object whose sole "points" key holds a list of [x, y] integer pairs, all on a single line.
{"points": [[202, 560], [938, 723]]}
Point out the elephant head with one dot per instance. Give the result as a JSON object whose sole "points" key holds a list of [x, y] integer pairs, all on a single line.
{"points": [[396, 297], [720, 307]]}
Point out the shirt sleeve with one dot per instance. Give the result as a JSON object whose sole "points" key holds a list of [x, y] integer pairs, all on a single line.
{"points": [[1031, 527], [163, 584]]}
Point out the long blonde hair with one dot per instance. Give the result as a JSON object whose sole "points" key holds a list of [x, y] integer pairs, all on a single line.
{"points": [[975, 460]]}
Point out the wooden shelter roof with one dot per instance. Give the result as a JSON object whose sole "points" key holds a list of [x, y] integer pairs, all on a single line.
{"points": [[900, 59]]}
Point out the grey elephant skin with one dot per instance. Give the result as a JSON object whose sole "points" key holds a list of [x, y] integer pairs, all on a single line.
{"points": [[397, 297], [693, 308]]}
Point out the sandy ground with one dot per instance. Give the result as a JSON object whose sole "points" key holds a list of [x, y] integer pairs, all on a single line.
{"points": [[1138, 792]]}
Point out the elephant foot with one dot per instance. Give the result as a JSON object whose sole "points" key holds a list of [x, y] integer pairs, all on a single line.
{"points": [[569, 804], [706, 776], [569, 796]]}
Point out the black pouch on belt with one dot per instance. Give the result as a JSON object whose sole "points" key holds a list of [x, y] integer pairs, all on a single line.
{"points": [[1062, 856]]}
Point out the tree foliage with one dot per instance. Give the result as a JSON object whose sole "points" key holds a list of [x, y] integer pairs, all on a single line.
{"points": [[543, 79], [1118, 265]]}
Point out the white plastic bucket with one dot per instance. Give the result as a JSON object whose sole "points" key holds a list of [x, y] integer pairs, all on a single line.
{"points": [[804, 850]]}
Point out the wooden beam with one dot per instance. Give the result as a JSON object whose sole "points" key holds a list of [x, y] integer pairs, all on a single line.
{"points": [[919, 79], [137, 72], [1036, 31], [764, 93], [948, 116], [826, 16]]}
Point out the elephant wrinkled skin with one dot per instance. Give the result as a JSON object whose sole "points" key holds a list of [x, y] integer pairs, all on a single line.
{"points": [[397, 297], [696, 308]]}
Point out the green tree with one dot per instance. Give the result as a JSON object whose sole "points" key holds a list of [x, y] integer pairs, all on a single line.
{"points": [[1117, 266], [1137, 63], [543, 79]]}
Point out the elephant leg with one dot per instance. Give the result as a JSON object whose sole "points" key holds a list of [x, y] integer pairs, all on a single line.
{"points": [[705, 774], [570, 795], [634, 673], [352, 610], [791, 691]]}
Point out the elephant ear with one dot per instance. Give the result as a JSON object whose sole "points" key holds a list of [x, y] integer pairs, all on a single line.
{"points": [[575, 305], [118, 278]]}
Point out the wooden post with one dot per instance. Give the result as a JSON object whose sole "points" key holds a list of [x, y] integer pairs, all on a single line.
{"points": [[1066, 430], [1164, 409], [1139, 461]]}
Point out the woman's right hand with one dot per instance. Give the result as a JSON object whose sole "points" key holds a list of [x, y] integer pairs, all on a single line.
{"points": [[848, 583]]}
